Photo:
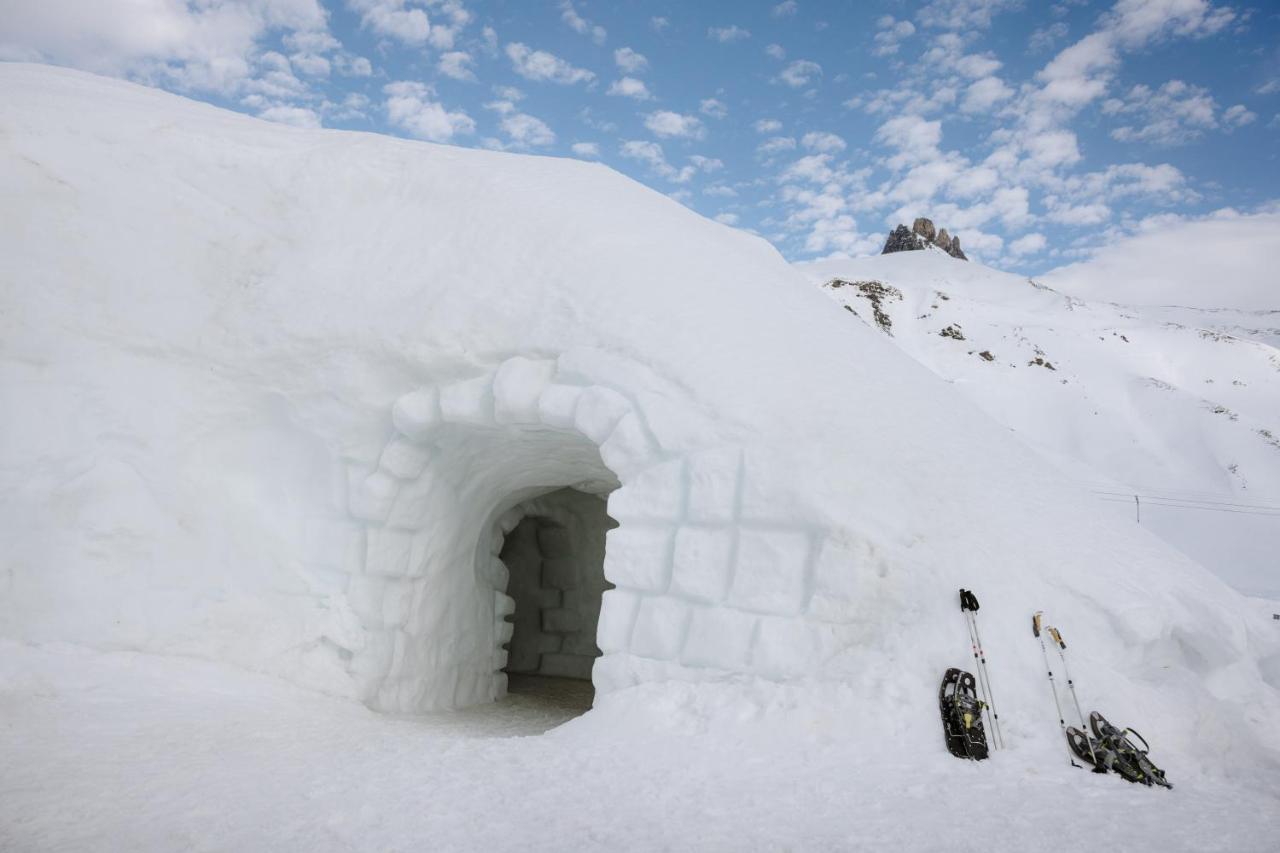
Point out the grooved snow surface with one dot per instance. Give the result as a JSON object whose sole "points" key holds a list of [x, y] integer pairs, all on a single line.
{"points": [[273, 397]]}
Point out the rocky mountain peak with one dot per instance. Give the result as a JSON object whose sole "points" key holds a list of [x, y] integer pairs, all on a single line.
{"points": [[922, 235]]}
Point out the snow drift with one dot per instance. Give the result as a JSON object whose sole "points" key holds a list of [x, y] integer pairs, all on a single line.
{"points": [[275, 397]]}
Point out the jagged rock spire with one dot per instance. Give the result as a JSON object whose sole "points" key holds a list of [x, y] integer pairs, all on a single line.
{"points": [[921, 235]]}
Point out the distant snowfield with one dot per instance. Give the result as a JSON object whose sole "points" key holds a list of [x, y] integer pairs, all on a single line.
{"points": [[135, 752], [1179, 406], [275, 399]]}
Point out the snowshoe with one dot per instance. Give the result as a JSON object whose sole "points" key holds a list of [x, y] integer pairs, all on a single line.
{"points": [[1086, 749], [1122, 755], [962, 715]]}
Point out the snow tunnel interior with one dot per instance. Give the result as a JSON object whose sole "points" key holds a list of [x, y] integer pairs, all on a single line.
{"points": [[555, 564]]}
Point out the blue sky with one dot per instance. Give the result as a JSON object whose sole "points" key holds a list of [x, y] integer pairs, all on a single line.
{"points": [[1038, 132]]}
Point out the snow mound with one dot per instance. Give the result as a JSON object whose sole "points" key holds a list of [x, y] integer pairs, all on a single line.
{"points": [[276, 397]]}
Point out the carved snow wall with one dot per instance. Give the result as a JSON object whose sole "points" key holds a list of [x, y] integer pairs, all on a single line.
{"points": [[701, 591]]}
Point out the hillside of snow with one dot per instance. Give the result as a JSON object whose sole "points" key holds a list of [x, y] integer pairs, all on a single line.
{"points": [[1177, 406], [280, 404]]}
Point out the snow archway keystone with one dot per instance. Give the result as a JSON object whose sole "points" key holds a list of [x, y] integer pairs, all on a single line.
{"points": [[697, 594]]}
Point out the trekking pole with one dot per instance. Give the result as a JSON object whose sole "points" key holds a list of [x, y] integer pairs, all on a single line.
{"points": [[1035, 627], [969, 604], [1084, 726]]}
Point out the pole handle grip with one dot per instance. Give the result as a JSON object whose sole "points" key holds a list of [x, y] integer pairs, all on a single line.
{"points": [[1057, 637], [1035, 624], [968, 601]]}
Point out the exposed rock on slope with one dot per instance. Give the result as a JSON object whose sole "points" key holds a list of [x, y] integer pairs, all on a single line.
{"points": [[922, 235]]}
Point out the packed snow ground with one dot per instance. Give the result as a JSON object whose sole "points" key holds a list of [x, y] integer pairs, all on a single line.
{"points": [[1179, 405], [131, 752]]}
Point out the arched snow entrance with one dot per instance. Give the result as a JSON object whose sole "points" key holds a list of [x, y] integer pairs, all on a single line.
{"points": [[711, 580]]}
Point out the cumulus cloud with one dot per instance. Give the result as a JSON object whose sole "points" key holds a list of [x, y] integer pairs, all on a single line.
{"points": [[800, 73], [785, 9], [713, 108], [731, 33], [525, 130], [630, 62], [651, 154], [393, 18], [727, 218], [767, 125], [665, 123], [630, 87], [542, 66], [585, 149], [296, 116], [963, 14], [1028, 245], [454, 64], [822, 142], [1174, 114], [776, 51], [411, 106], [983, 95], [891, 34], [579, 24], [776, 145]]}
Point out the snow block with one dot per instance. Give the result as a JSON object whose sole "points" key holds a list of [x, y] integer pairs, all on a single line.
{"points": [[371, 497], [468, 402], [517, 386], [785, 648], [598, 412], [411, 509], [403, 459], [557, 404], [835, 579], [718, 637], [388, 553], [415, 414], [617, 618], [770, 573], [660, 628], [638, 558], [373, 660], [628, 448], [503, 604], [700, 563], [656, 493], [713, 485]]}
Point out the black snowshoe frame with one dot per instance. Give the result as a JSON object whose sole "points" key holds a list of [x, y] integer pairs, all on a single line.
{"points": [[1116, 752], [962, 715]]}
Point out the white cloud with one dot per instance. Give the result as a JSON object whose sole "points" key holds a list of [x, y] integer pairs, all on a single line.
{"points": [[411, 106], [984, 94], [727, 218], [713, 108], [720, 191], [658, 24], [1238, 116], [525, 130], [454, 64], [393, 18], [630, 87], [665, 123], [890, 35], [651, 154], [800, 73], [915, 138], [508, 93], [733, 32], [1174, 114], [630, 62], [542, 66], [585, 149], [785, 9], [963, 14], [579, 24], [1224, 260], [296, 116], [767, 125], [202, 47], [1028, 245], [706, 164], [822, 142], [776, 51], [776, 145]]}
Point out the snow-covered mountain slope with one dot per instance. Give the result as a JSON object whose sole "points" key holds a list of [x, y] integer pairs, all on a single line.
{"points": [[271, 397], [1178, 406]]}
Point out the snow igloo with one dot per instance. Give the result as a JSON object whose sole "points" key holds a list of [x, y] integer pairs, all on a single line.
{"points": [[392, 420]]}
